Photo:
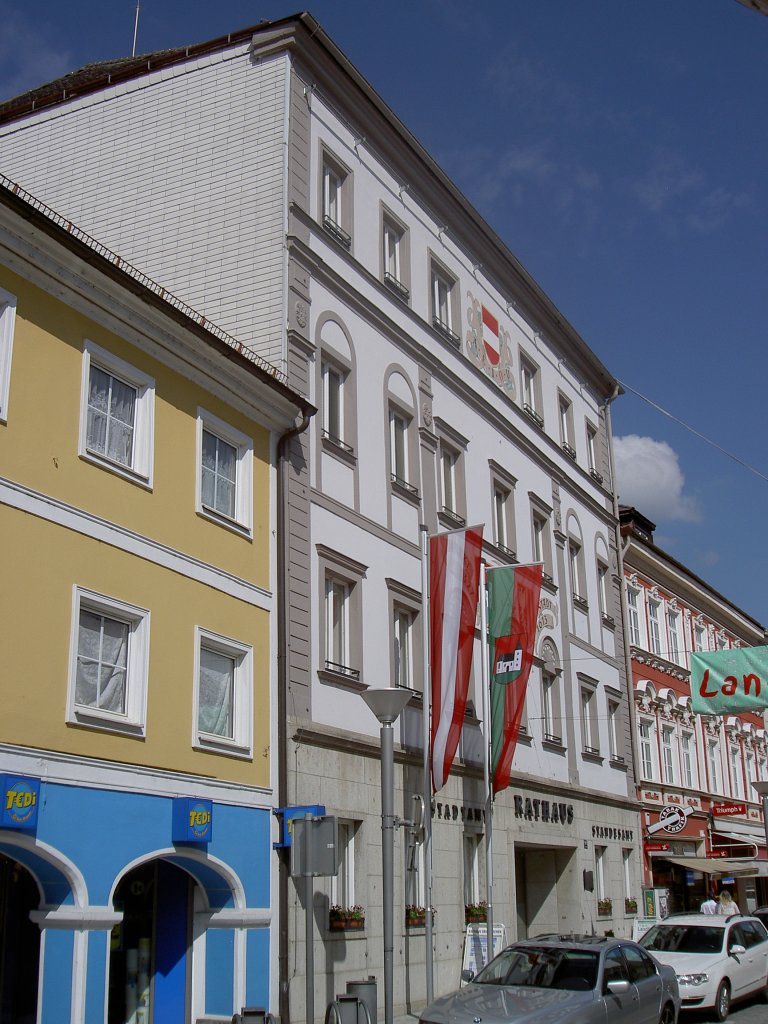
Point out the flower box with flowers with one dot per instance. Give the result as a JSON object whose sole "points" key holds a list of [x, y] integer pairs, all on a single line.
{"points": [[416, 917], [345, 919], [630, 905], [476, 913], [604, 907]]}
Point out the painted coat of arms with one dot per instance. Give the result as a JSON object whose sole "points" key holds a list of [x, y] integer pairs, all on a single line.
{"points": [[488, 345]]}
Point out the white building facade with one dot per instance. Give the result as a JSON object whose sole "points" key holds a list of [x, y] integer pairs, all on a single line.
{"points": [[262, 180]]}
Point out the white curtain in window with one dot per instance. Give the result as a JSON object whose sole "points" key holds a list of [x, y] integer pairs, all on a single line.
{"points": [[218, 474], [215, 700], [102, 662], [111, 417]]}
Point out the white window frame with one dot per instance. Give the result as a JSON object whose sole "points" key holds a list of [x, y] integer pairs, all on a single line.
{"points": [[646, 732], [688, 758], [600, 856], [403, 646], [668, 754], [242, 521], [576, 570], [626, 864], [333, 401], [140, 469], [591, 447], [391, 238], [633, 617], [713, 759], [133, 720], [590, 736], [7, 327], [737, 780], [614, 709], [241, 741], [442, 287], [550, 708], [654, 627], [699, 638], [415, 887], [471, 851], [343, 890], [673, 630], [399, 439], [565, 414]]}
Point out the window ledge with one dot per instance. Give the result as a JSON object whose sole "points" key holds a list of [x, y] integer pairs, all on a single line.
{"points": [[338, 449], [405, 490], [548, 583], [446, 331], [108, 723], [337, 231], [593, 755], [569, 450], [597, 477], [531, 413], [450, 518], [223, 748], [131, 475], [228, 524], [608, 621], [617, 761], [554, 745], [502, 551], [340, 679], [581, 602], [396, 286]]}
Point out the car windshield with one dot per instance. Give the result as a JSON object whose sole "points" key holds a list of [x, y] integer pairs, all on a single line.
{"points": [[684, 938], [542, 967]]}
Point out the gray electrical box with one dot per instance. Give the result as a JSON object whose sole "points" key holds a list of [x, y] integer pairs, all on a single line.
{"points": [[315, 847]]}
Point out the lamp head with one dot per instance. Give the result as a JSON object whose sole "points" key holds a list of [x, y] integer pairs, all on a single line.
{"points": [[386, 702]]}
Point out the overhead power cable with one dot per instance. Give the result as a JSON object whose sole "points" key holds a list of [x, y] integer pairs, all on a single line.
{"points": [[693, 430]]}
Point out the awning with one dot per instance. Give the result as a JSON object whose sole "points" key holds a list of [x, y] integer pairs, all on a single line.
{"points": [[721, 865], [736, 838], [755, 833]]}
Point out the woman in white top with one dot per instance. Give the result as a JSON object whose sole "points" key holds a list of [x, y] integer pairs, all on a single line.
{"points": [[726, 905]]}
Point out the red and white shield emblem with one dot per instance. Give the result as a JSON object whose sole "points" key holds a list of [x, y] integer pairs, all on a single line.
{"points": [[491, 337]]}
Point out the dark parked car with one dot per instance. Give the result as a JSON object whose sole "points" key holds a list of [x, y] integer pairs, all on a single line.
{"points": [[761, 914], [566, 979]]}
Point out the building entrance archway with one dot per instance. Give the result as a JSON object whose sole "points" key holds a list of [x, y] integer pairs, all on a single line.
{"points": [[150, 950], [19, 943]]}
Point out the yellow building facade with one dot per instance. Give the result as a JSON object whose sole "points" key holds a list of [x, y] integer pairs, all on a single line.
{"points": [[137, 511]]}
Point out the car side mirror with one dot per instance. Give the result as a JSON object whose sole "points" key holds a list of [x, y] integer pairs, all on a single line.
{"points": [[618, 988], [467, 975], [737, 949]]}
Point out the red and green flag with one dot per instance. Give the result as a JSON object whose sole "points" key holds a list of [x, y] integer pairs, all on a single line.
{"points": [[513, 608]]}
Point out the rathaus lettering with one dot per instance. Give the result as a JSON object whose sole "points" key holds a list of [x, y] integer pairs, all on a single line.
{"points": [[543, 810]]}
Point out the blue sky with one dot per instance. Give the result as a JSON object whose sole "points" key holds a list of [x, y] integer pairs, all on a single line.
{"points": [[620, 150]]}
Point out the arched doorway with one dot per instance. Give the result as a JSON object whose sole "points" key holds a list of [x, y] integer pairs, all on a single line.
{"points": [[19, 944], [149, 960]]}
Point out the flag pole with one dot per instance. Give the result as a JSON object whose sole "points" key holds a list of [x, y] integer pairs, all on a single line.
{"points": [[427, 788], [487, 759]]}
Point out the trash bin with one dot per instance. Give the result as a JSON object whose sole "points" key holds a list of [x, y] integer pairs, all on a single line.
{"points": [[365, 991], [251, 1015]]}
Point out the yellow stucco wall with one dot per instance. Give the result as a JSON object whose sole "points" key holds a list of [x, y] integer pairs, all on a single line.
{"points": [[42, 560], [39, 443]]}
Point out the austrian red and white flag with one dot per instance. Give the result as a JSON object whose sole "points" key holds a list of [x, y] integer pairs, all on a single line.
{"points": [[454, 578], [491, 337]]}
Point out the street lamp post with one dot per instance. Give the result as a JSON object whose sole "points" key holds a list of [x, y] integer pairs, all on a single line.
{"points": [[762, 792], [386, 703]]}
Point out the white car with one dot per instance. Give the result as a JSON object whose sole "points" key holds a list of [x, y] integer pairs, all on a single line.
{"points": [[717, 959]]}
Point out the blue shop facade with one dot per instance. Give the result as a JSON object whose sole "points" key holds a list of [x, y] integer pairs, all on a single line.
{"points": [[120, 906]]}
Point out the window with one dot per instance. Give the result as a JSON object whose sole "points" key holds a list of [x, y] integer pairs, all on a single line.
{"points": [[343, 884], [614, 712], [646, 748], [443, 298], [626, 863], [713, 761], [340, 600], [400, 455], [451, 501], [602, 592], [531, 390], [673, 629], [654, 626], [594, 469], [633, 616], [503, 509], [542, 544], [415, 889], [7, 323], [688, 760], [667, 742], [589, 730], [737, 781], [337, 205], [700, 638], [576, 572], [224, 473], [109, 663], [223, 702], [403, 647], [550, 708], [600, 890], [471, 867], [117, 415], [395, 263], [333, 403], [565, 412]]}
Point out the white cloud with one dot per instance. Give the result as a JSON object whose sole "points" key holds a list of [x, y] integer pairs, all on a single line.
{"points": [[649, 477]]}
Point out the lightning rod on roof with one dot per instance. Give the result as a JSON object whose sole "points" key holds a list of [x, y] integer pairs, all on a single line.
{"points": [[136, 27]]}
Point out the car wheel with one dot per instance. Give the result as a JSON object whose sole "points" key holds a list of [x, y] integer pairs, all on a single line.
{"points": [[723, 1001], [667, 1015]]}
